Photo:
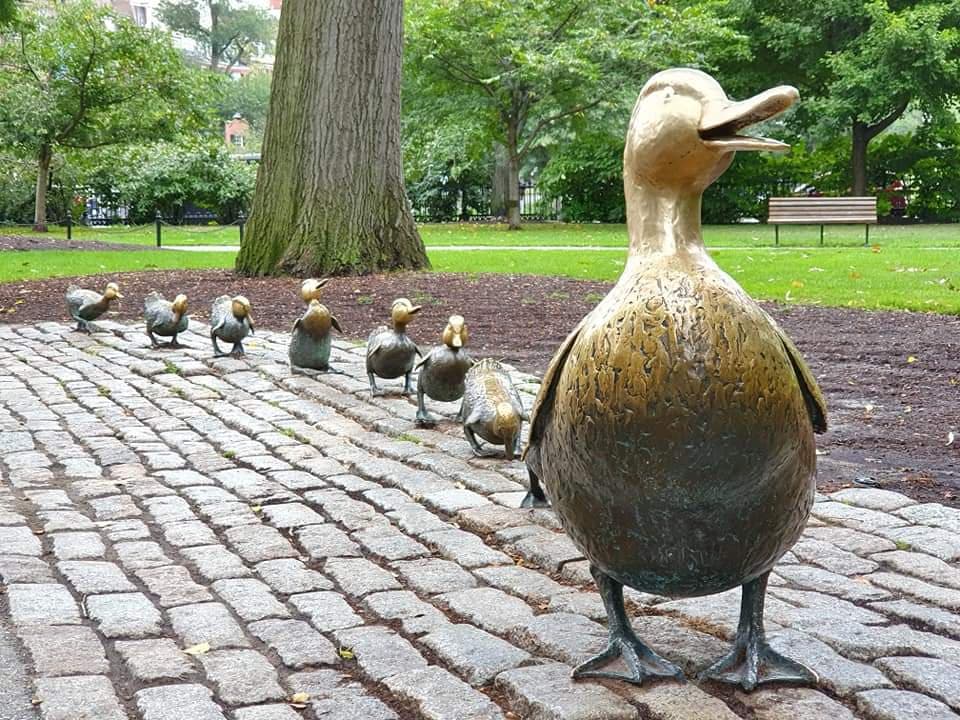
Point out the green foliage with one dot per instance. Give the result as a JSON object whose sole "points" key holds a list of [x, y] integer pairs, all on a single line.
{"points": [[587, 174], [248, 95], [81, 77], [859, 64], [167, 176], [230, 34]]}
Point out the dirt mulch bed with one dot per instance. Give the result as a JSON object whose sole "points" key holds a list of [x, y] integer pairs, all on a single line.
{"points": [[892, 379], [22, 242]]}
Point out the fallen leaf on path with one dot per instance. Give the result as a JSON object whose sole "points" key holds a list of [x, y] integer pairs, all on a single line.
{"points": [[198, 649]]}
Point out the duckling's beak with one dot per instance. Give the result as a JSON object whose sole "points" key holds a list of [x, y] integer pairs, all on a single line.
{"points": [[721, 121], [118, 296], [457, 340], [414, 310]]}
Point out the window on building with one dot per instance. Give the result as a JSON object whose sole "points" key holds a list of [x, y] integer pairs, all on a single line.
{"points": [[139, 15], [236, 139]]}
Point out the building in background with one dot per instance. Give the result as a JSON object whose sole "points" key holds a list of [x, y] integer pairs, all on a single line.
{"points": [[235, 132]]}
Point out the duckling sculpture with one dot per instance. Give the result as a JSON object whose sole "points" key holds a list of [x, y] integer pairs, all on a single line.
{"points": [[165, 318], [443, 369], [390, 353], [230, 321], [674, 429], [87, 305], [491, 408], [310, 339], [310, 289]]}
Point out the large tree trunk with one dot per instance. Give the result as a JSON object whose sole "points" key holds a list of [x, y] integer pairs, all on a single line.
{"points": [[330, 197], [858, 159], [501, 181], [40, 197], [513, 178]]}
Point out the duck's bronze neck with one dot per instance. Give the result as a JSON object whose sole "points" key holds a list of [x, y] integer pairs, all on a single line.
{"points": [[663, 221]]}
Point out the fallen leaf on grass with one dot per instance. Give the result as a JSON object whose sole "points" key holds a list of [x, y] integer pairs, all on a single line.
{"points": [[198, 649]]}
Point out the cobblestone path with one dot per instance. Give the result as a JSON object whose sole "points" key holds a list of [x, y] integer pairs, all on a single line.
{"points": [[198, 539]]}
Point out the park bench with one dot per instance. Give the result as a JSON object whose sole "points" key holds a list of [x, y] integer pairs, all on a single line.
{"points": [[822, 211]]}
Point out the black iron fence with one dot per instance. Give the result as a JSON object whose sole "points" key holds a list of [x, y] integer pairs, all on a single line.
{"points": [[475, 204]]}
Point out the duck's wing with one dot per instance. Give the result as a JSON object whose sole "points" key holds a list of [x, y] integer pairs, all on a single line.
{"points": [[219, 312], [544, 402], [815, 402], [336, 323], [424, 361], [375, 340], [78, 298], [153, 309]]}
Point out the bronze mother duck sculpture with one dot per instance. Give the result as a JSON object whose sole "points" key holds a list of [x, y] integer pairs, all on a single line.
{"points": [[390, 352], [165, 318], [443, 369], [311, 338], [230, 321], [674, 429], [87, 305]]}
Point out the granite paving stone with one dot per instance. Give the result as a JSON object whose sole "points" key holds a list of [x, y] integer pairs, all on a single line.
{"points": [[78, 698], [438, 695], [175, 702], [242, 677], [125, 615], [209, 623], [207, 542], [547, 692], [476, 656], [901, 705], [152, 660], [297, 644], [64, 650]]}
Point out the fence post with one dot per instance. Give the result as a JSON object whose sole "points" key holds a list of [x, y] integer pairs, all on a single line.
{"points": [[158, 221], [241, 221], [69, 225]]}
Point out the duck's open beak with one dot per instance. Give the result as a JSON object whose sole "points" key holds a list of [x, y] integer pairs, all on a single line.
{"points": [[722, 121]]}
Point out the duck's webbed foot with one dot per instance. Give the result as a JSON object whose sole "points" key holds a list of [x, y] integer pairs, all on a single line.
{"points": [[478, 451], [374, 390], [752, 661], [642, 662], [408, 384], [237, 351], [424, 419], [535, 497], [173, 344], [82, 325]]}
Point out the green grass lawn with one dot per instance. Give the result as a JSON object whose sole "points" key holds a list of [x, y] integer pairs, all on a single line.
{"points": [[893, 278], [37, 264], [553, 234]]}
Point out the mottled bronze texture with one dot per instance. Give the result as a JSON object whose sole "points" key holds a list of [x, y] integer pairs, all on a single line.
{"points": [[86, 305], [491, 408], [311, 337], [165, 318], [674, 427], [443, 369], [312, 289], [390, 353], [230, 321]]}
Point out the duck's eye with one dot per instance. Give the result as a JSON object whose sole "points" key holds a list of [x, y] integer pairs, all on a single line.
{"points": [[668, 93]]}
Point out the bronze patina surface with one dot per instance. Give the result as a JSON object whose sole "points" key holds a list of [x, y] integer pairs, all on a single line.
{"points": [[443, 369], [491, 408], [86, 305], [390, 352], [674, 428], [312, 289], [230, 321], [311, 338], [165, 318]]}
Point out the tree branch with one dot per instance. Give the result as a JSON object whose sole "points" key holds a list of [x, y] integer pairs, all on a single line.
{"points": [[456, 72], [82, 100], [879, 127], [528, 145]]}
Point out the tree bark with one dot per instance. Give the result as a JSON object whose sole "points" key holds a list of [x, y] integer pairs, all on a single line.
{"points": [[513, 177], [858, 159], [501, 181], [40, 197], [330, 198]]}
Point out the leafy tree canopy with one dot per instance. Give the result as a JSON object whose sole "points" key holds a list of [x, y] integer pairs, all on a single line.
{"points": [[226, 31], [859, 64]]}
